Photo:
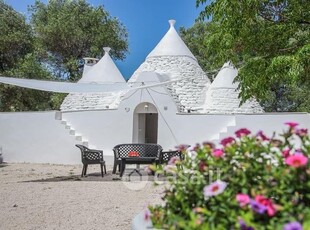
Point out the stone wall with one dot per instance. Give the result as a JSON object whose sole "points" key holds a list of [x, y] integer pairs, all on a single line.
{"points": [[225, 100], [187, 93], [91, 101]]}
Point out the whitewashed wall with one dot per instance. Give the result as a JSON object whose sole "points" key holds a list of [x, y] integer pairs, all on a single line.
{"points": [[271, 122], [38, 137]]}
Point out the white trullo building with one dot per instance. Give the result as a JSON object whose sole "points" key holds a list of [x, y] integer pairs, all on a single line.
{"points": [[169, 60], [223, 96], [188, 110], [102, 72]]}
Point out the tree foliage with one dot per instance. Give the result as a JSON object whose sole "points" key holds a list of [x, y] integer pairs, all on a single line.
{"points": [[18, 59], [14, 98], [51, 47], [270, 43], [194, 38], [16, 39], [67, 31]]}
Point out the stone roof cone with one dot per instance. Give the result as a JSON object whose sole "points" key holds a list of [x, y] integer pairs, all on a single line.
{"points": [[171, 44], [172, 58], [223, 96], [105, 71]]}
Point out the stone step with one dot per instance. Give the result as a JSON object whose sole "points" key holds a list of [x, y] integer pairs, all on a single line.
{"points": [[72, 132]]}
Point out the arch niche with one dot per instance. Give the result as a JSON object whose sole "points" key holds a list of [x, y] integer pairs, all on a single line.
{"points": [[145, 123]]}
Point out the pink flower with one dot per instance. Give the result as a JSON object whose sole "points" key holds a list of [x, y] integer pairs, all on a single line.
{"points": [[214, 189], [243, 199], [147, 215], [202, 166], [291, 124], [207, 144], [196, 147], [271, 209], [226, 141], [182, 148], [262, 136], [217, 153], [296, 160], [292, 226], [242, 132], [302, 132], [173, 160], [286, 153], [148, 169]]}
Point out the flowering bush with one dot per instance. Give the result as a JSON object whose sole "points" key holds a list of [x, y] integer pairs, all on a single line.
{"points": [[250, 182]]}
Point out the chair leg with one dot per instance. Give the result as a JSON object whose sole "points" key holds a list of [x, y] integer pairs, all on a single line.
{"points": [[105, 169], [114, 168], [123, 166], [85, 170], [101, 167]]}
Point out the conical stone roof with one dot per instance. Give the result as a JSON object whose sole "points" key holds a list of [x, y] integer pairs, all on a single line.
{"points": [[223, 96], [171, 45], [105, 71], [172, 58]]}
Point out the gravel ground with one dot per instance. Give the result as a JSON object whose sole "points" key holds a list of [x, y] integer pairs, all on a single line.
{"points": [[46, 196]]}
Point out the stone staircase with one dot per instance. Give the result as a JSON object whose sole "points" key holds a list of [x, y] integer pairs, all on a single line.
{"points": [[225, 131], [78, 137], [229, 129]]}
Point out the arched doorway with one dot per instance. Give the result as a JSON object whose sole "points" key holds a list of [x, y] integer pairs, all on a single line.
{"points": [[145, 123]]}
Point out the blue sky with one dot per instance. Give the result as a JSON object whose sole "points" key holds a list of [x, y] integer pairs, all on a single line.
{"points": [[145, 20]]}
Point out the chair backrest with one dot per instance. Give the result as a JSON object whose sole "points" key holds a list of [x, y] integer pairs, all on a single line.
{"points": [[141, 150], [89, 155], [167, 155]]}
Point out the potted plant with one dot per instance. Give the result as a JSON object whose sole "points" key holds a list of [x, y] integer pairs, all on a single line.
{"points": [[249, 182]]}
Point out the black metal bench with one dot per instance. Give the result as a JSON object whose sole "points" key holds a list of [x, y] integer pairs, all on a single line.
{"points": [[135, 154]]}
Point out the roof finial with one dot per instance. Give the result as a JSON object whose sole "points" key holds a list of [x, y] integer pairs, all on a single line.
{"points": [[171, 22], [106, 50]]}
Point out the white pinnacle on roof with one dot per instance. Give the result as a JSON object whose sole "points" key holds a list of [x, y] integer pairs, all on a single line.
{"points": [[223, 96], [104, 71], [171, 44]]}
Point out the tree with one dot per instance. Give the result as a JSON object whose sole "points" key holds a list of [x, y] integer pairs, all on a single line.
{"points": [[16, 39], [194, 38], [69, 30], [51, 47], [13, 98], [18, 59], [270, 43]]}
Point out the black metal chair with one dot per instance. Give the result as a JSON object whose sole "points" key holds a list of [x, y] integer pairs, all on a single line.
{"points": [[91, 156], [147, 154]]}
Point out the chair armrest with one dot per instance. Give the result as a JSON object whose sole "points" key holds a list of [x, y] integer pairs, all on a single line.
{"points": [[95, 150]]}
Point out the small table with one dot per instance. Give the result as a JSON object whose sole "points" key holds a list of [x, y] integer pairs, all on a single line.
{"points": [[136, 160]]}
